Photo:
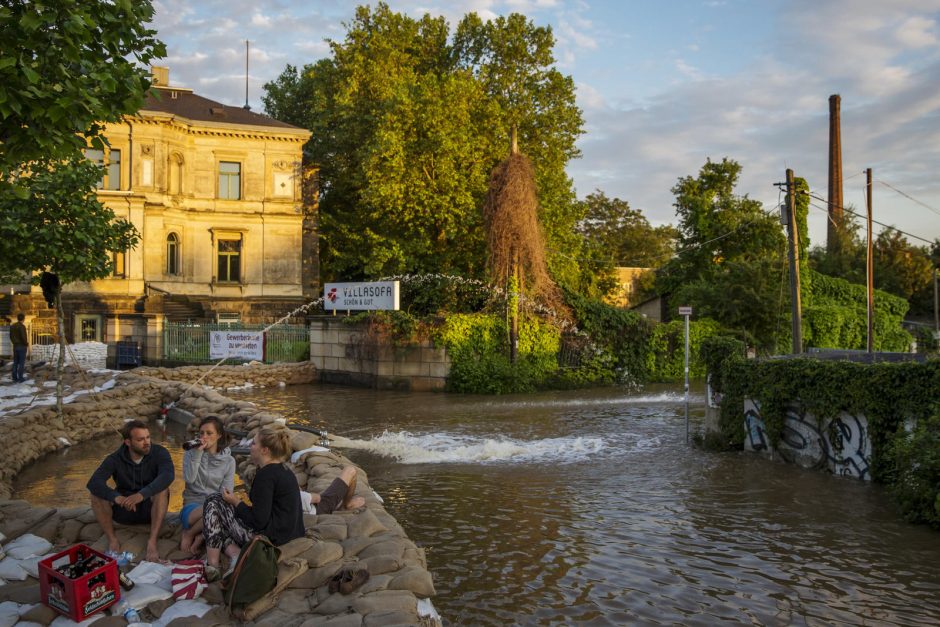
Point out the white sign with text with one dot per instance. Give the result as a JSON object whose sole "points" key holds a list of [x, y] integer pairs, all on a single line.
{"points": [[240, 344], [375, 295]]}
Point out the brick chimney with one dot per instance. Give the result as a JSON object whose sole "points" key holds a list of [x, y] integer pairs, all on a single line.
{"points": [[835, 223]]}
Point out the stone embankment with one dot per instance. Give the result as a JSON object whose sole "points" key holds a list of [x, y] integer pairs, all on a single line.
{"points": [[224, 377], [399, 582]]}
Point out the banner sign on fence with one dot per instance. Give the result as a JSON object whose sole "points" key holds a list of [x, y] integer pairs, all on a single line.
{"points": [[240, 344], [377, 295]]}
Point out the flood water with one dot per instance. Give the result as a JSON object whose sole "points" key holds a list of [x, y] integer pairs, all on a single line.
{"points": [[588, 507]]}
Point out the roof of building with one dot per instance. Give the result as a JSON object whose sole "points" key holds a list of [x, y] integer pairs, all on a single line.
{"points": [[184, 103]]}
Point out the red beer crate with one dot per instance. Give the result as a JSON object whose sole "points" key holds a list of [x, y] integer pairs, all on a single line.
{"points": [[81, 597]]}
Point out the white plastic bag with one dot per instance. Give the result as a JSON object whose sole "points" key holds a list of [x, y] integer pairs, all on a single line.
{"points": [[143, 594], [152, 572]]}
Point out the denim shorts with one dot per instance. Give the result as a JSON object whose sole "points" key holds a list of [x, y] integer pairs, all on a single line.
{"points": [[186, 511]]}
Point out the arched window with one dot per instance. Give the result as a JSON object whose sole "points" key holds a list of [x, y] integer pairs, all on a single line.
{"points": [[172, 254]]}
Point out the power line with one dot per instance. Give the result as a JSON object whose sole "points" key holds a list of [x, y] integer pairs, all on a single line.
{"points": [[629, 263], [858, 215], [908, 196], [887, 226]]}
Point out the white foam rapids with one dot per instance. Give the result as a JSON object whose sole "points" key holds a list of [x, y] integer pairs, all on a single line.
{"points": [[435, 448]]}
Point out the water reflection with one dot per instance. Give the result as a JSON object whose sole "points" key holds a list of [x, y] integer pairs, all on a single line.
{"points": [[58, 479], [522, 526]]}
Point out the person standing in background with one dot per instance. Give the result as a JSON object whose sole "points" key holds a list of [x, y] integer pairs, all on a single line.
{"points": [[20, 340]]}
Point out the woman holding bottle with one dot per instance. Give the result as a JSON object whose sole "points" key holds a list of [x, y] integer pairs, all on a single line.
{"points": [[208, 468]]}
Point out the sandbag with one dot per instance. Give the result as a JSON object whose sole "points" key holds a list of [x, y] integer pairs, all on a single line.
{"points": [[10, 570], [9, 613], [27, 545]]}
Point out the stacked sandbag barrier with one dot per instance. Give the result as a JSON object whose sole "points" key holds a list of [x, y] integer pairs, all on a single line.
{"points": [[397, 591], [30, 434], [226, 377]]}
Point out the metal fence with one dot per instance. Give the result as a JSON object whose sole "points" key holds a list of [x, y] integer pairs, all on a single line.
{"points": [[187, 343]]}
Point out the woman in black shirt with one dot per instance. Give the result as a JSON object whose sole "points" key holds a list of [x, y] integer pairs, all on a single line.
{"points": [[275, 510]]}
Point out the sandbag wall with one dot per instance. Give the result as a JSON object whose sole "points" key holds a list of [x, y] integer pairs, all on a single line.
{"points": [[261, 375], [33, 433], [368, 537]]}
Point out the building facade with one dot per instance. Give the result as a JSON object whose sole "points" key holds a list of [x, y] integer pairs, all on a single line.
{"points": [[227, 223]]}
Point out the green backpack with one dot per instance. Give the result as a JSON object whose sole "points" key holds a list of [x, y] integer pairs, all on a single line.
{"points": [[254, 575]]}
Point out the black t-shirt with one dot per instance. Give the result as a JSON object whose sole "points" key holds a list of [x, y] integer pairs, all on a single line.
{"points": [[275, 509]]}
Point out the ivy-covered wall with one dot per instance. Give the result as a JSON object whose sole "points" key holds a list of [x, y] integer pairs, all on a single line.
{"points": [[835, 315], [888, 395], [479, 361]]}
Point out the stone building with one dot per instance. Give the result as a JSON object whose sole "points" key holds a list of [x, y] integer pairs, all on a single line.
{"points": [[628, 283], [227, 225]]}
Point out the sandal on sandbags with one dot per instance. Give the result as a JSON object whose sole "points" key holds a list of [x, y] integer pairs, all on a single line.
{"points": [[342, 575], [358, 577]]}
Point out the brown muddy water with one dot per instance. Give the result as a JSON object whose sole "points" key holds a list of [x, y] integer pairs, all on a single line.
{"points": [[587, 507]]}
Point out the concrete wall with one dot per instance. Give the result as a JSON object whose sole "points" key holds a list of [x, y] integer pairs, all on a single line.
{"points": [[347, 353], [840, 445]]}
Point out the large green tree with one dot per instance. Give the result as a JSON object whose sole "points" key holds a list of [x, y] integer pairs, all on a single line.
{"points": [[900, 268], [731, 255], [617, 235], [624, 234], [62, 228], [904, 270], [65, 69], [407, 127]]}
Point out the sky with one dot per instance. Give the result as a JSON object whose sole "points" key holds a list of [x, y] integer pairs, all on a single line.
{"points": [[664, 86]]}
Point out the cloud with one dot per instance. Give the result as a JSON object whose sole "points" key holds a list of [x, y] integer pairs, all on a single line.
{"points": [[261, 20], [917, 32], [688, 70], [769, 111]]}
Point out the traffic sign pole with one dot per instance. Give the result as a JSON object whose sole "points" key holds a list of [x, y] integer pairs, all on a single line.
{"points": [[686, 312]]}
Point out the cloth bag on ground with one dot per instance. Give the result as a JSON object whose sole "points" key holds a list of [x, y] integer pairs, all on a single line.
{"points": [[188, 579], [254, 575]]}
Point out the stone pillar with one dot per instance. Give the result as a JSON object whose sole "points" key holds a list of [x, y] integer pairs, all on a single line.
{"points": [[153, 349]]}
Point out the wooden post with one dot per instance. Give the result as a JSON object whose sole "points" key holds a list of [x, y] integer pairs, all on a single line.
{"points": [[796, 309], [869, 270], [514, 295]]}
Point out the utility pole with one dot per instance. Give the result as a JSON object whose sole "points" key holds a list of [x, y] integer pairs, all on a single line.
{"points": [[793, 237], [936, 305], [870, 271], [936, 308]]}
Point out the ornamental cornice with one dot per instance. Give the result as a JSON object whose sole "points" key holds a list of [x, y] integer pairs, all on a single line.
{"points": [[188, 127]]}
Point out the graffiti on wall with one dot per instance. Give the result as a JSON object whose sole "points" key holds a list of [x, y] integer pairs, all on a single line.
{"points": [[839, 444]]}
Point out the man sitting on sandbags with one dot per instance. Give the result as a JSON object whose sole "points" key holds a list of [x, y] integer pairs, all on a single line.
{"points": [[142, 474]]}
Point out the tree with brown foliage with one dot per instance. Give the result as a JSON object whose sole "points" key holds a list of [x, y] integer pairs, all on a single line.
{"points": [[514, 238]]}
